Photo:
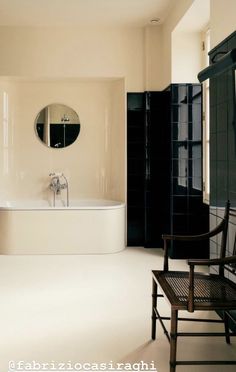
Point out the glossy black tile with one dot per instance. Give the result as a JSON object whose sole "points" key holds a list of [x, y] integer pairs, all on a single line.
{"points": [[135, 101], [182, 250], [213, 182], [222, 147], [180, 223], [179, 94], [195, 113], [196, 206], [136, 118], [180, 131], [136, 150], [186, 154], [158, 100], [213, 147], [135, 197], [135, 134], [195, 186], [135, 181], [180, 168], [213, 119], [195, 149], [135, 166], [231, 145], [223, 134], [231, 101], [195, 94], [232, 198], [222, 182], [195, 131], [147, 165], [171, 158], [213, 91], [232, 175], [222, 117], [195, 167], [180, 149], [180, 185], [222, 88], [180, 113], [180, 204]]}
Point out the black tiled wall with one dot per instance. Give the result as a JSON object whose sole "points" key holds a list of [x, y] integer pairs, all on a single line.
{"points": [[188, 214], [222, 144], [147, 165], [165, 167], [135, 168]]}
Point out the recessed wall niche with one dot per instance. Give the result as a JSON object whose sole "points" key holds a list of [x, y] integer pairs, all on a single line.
{"points": [[26, 164]]}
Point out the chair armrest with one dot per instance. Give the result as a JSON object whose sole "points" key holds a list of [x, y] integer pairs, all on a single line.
{"points": [[184, 237], [189, 238], [212, 261], [195, 237], [192, 262]]}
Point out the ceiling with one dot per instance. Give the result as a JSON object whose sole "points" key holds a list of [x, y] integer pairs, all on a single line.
{"points": [[134, 13]]}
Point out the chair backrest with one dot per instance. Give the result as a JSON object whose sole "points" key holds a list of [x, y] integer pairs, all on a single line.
{"points": [[232, 266], [225, 224], [222, 228]]}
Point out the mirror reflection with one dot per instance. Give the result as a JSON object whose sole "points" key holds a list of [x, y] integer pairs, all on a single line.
{"points": [[57, 125]]}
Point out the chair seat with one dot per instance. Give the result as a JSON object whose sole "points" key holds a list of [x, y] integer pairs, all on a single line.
{"points": [[211, 292]]}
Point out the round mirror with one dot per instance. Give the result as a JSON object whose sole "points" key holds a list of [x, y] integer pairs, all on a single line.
{"points": [[57, 125]]}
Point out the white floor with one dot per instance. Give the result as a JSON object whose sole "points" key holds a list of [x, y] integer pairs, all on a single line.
{"points": [[90, 308]]}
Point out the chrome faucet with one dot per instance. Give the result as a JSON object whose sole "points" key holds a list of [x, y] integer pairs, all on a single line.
{"points": [[56, 186]]}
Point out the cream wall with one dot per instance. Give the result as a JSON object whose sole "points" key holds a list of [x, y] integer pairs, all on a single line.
{"points": [[77, 66], [223, 20], [117, 156], [186, 57], [95, 164], [166, 39], [74, 52], [153, 58], [89, 164]]}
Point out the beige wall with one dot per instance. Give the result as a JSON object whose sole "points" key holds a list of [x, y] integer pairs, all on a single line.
{"points": [[92, 167], [153, 58], [174, 17], [77, 66], [186, 57], [223, 20], [95, 164], [74, 52]]}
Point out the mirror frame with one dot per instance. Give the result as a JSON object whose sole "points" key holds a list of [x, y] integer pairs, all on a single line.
{"points": [[62, 131]]}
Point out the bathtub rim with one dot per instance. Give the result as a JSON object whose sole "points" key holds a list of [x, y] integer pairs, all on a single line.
{"points": [[114, 204]]}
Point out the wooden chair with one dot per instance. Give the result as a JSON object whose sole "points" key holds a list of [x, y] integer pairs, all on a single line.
{"points": [[192, 291]]}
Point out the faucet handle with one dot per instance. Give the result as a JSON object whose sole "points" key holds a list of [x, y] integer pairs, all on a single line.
{"points": [[64, 186]]}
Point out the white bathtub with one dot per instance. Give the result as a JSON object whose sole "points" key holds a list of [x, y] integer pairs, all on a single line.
{"points": [[86, 227]]}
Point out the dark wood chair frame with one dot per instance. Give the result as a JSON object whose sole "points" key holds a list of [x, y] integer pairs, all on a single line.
{"points": [[190, 301]]}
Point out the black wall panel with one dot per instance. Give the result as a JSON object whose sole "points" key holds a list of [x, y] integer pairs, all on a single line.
{"points": [[164, 139]]}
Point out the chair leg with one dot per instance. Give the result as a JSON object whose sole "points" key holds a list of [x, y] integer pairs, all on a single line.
{"points": [[226, 322], [154, 305], [173, 339]]}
